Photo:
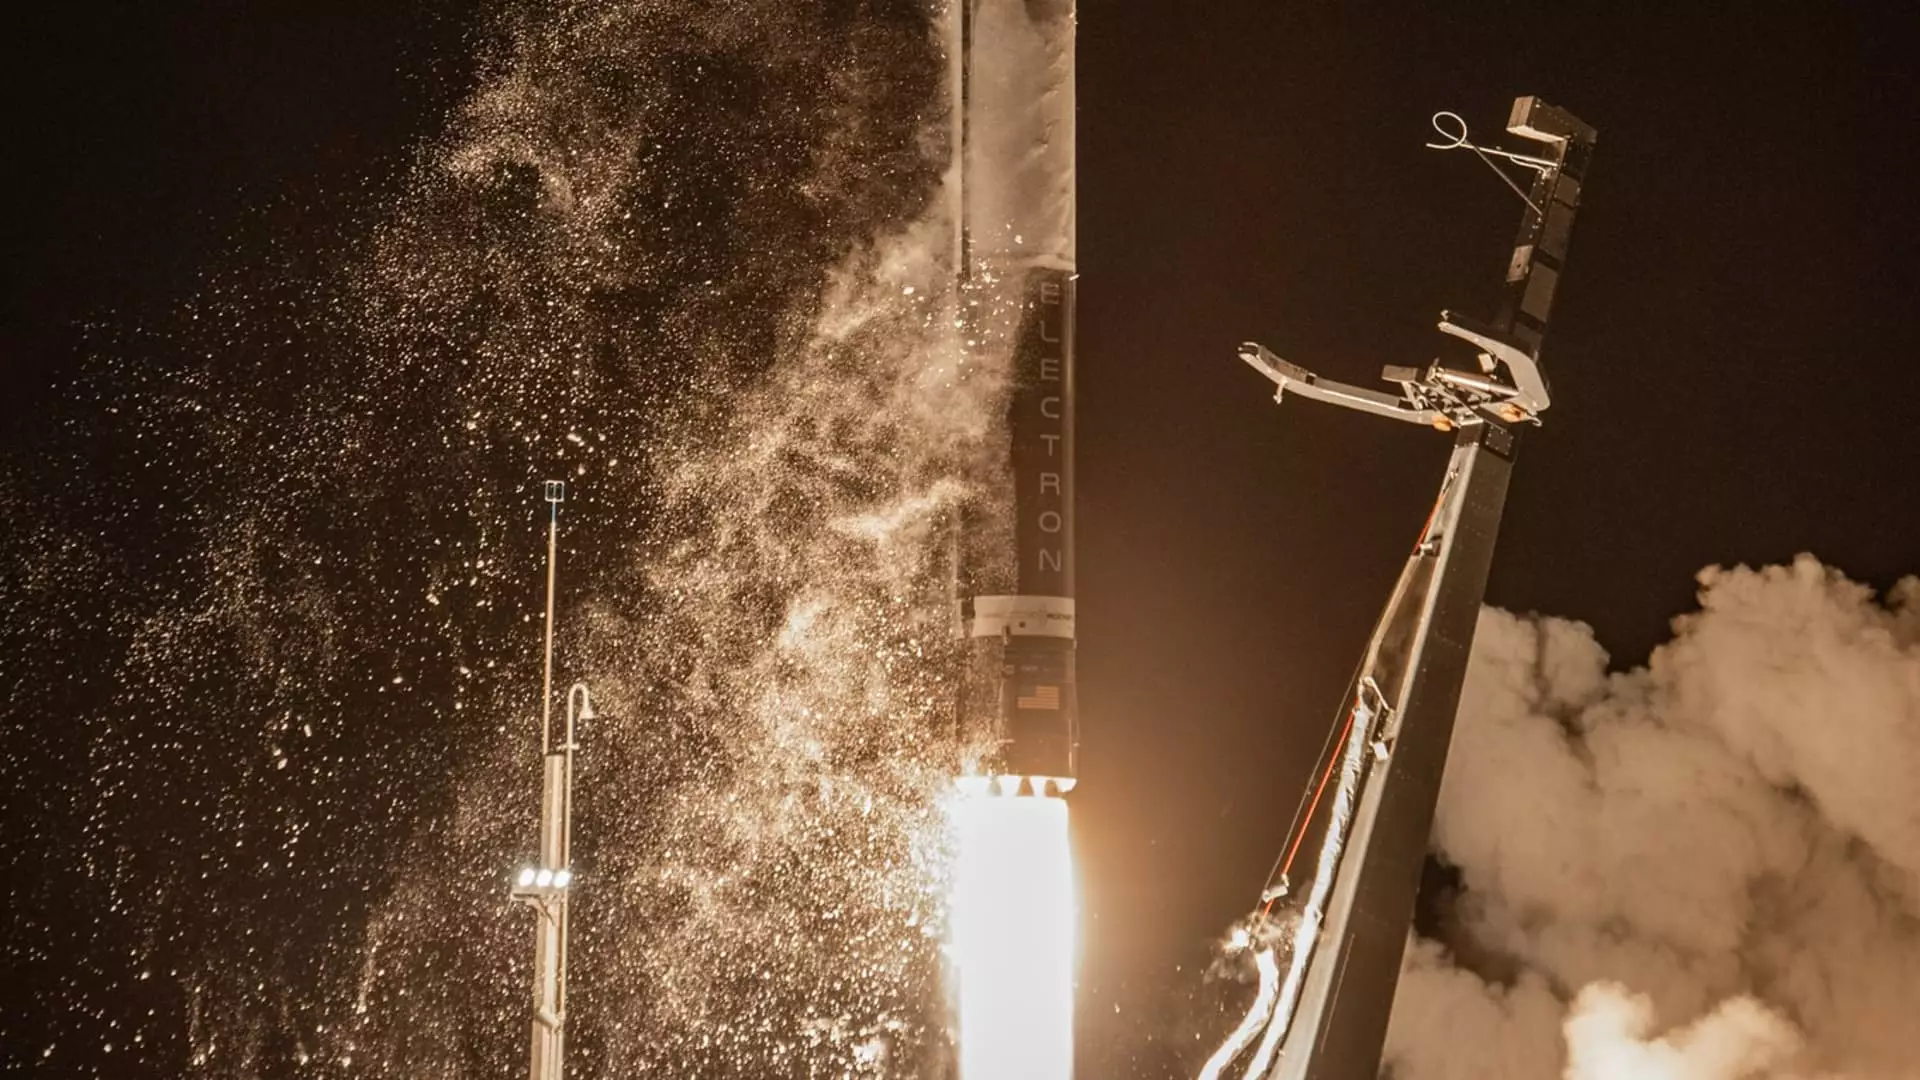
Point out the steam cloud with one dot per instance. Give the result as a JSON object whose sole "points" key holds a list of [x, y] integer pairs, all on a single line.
{"points": [[1705, 869]]}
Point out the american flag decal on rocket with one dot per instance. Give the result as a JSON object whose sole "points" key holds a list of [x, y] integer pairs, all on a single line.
{"points": [[1043, 697]]}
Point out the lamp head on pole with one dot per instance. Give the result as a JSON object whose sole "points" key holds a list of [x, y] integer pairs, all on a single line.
{"points": [[586, 701]]}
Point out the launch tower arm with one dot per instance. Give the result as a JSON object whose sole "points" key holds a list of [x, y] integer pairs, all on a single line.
{"points": [[1347, 920], [1287, 376], [1509, 386], [1440, 397]]}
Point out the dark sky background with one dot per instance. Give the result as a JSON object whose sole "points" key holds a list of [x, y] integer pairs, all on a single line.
{"points": [[1733, 351]]}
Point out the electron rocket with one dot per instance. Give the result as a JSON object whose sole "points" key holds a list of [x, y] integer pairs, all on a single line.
{"points": [[1012, 190]]}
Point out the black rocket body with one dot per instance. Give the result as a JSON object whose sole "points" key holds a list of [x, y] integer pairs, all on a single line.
{"points": [[1014, 205], [1037, 700]]}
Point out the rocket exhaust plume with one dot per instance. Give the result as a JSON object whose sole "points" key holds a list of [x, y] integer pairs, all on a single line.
{"points": [[1013, 935]]}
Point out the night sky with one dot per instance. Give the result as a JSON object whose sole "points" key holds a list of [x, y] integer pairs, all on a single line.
{"points": [[1733, 356]]}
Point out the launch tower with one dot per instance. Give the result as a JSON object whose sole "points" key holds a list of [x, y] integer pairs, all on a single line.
{"points": [[1337, 940], [547, 886]]}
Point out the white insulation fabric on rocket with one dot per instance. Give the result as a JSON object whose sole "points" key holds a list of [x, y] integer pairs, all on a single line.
{"points": [[1019, 181]]}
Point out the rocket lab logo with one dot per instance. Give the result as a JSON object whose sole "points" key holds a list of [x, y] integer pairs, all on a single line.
{"points": [[1043, 697]]}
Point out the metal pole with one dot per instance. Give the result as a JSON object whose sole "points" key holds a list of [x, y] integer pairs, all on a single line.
{"points": [[556, 491], [582, 711], [546, 887]]}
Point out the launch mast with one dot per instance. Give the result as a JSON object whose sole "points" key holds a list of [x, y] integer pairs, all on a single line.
{"points": [[1340, 948], [547, 886]]}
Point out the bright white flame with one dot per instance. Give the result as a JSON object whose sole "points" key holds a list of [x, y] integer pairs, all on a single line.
{"points": [[1014, 939], [972, 785], [544, 878], [526, 877], [562, 878]]}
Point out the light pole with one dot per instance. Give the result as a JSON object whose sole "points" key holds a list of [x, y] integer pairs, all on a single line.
{"points": [[546, 886]]}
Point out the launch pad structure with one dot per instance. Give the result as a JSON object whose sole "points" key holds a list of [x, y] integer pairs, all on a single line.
{"points": [[547, 886], [1341, 941]]}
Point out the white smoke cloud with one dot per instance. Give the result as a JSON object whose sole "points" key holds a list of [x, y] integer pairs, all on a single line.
{"points": [[1610, 1037], [1705, 868]]}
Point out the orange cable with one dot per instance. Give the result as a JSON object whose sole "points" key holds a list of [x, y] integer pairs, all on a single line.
{"points": [[1286, 864]]}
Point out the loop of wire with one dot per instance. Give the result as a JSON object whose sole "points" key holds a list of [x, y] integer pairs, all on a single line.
{"points": [[1455, 140]]}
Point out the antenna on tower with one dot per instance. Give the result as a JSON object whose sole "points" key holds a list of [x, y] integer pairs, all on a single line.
{"points": [[546, 886]]}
